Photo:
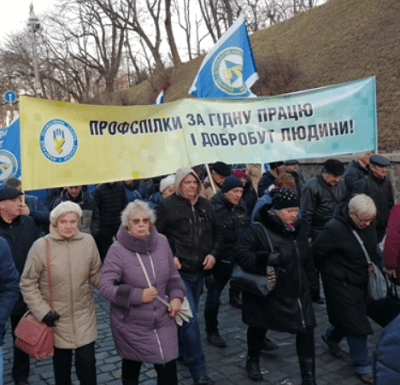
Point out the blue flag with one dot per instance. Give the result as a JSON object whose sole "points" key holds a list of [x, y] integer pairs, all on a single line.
{"points": [[229, 69], [160, 98], [10, 152]]}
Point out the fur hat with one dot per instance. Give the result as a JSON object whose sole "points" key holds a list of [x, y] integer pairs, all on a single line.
{"points": [[283, 198], [221, 168], [63, 208], [334, 167]]}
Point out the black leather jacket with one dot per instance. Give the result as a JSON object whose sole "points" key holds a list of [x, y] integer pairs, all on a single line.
{"points": [[191, 230], [318, 201]]}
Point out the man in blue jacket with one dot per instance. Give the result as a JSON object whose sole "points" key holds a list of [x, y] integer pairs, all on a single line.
{"points": [[9, 292]]}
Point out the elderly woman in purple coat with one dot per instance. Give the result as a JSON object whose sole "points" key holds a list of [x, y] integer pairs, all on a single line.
{"points": [[144, 329]]}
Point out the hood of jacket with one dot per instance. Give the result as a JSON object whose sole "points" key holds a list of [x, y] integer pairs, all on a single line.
{"points": [[180, 175], [139, 245]]}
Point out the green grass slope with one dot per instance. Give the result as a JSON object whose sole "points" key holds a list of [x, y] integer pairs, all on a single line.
{"points": [[339, 41]]}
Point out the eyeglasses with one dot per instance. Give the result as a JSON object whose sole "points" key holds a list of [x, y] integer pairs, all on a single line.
{"points": [[137, 221], [364, 220]]}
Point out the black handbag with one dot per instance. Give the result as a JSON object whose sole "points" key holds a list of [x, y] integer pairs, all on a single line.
{"points": [[256, 283], [385, 310]]}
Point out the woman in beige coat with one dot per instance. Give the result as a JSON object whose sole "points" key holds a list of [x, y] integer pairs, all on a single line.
{"points": [[75, 265]]}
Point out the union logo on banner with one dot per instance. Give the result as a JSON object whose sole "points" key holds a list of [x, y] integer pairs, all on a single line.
{"points": [[58, 141]]}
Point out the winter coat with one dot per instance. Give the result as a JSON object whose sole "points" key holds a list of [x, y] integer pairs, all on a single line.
{"points": [[231, 220], [90, 221], [142, 332], [344, 271], [75, 265], [391, 251], [249, 197], [191, 229], [9, 285], [380, 190], [387, 355], [207, 191], [38, 211], [20, 235], [317, 203], [288, 308], [110, 200], [298, 179], [353, 173], [135, 190], [266, 180]]}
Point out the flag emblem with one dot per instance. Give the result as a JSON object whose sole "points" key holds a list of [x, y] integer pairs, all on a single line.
{"points": [[8, 165], [58, 141], [228, 71]]}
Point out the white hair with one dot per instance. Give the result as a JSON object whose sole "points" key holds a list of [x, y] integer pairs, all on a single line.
{"points": [[136, 207], [362, 204]]}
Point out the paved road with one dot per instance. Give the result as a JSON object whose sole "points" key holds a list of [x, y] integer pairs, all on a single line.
{"points": [[225, 366]]}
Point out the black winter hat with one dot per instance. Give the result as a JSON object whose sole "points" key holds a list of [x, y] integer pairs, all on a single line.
{"points": [[334, 167], [283, 198], [230, 183], [7, 192], [221, 168]]}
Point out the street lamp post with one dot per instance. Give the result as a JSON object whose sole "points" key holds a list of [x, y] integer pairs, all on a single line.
{"points": [[34, 25]]}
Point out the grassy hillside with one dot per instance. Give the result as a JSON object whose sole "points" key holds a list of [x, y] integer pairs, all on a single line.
{"points": [[340, 41]]}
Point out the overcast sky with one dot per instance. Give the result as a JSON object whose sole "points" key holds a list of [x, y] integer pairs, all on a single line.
{"points": [[14, 14]]}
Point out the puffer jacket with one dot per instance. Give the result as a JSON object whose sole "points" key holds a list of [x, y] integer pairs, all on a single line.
{"points": [[143, 332], [288, 308], [110, 200], [75, 265], [353, 173], [232, 221], [317, 204], [191, 229]]}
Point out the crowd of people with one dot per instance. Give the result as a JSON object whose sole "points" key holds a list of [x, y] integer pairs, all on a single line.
{"points": [[151, 246]]}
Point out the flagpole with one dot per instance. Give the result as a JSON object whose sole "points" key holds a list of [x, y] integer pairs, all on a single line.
{"points": [[210, 178]]}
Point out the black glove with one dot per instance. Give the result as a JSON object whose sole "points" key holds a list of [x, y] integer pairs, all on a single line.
{"points": [[50, 318], [274, 258]]}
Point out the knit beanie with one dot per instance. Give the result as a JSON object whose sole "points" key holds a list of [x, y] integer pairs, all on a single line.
{"points": [[230, 183], [63, 208], [283, 198], [167, 181]]}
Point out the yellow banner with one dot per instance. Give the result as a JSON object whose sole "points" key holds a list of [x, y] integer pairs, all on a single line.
{"points": [[65, 144]]}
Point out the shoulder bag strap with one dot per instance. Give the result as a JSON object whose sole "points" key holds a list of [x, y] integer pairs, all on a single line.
{"points": [[362, 246], [51, 287], [267, 235], [148, 279]]}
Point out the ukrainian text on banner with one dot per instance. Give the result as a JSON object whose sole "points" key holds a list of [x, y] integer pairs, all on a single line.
{"points": [[9, 152], [71, 144]]}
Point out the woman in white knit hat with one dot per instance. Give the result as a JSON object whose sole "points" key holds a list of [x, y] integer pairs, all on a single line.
{"points": [[75, 265], [167, 188]]}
